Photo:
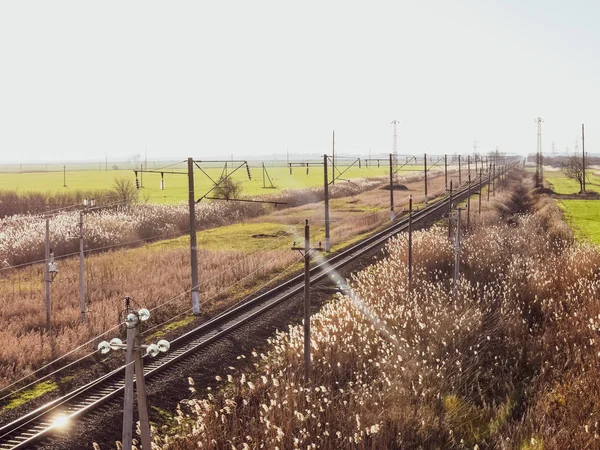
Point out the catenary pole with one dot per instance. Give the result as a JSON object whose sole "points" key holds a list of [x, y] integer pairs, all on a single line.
{"points": [[333, 158], [326, 193], [446, 171], [489, 179], [47, 272], [480, 187], [81, 269], [140, 387], [307, 367], [450, 212], [494, 179], [457, 247], [583, 153], [391, 189], [469, 202], [193, 244], [410, 207], [128, 391], [425, 172]]}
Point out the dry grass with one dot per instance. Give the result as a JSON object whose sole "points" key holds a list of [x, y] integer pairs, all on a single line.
{"points": [[507, 358], [154, 275]]}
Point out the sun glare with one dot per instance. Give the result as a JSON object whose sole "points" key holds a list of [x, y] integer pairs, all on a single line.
{"points": [[60, 421]]}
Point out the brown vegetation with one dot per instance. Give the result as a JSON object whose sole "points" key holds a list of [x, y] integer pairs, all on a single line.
{"points": [[507, 358], [155, 276]]}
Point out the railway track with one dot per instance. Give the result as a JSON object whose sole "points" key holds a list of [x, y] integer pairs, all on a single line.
{"points": [[24, 432]]}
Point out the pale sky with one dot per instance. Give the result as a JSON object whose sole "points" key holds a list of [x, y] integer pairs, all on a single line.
{"points": [[80, 79]]}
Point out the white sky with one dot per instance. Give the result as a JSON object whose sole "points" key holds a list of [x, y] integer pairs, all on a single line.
{"points": [[81, 79]]}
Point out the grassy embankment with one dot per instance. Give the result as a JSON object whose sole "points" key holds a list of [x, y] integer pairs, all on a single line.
{"points": [[505, 359], [582, 215]]}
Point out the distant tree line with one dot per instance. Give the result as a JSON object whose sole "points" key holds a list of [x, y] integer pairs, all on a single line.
{"points": [[560, 160]]}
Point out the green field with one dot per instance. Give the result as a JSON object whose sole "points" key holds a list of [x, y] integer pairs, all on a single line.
{"points": [[563, 185], [583, 216], [176, 186]]}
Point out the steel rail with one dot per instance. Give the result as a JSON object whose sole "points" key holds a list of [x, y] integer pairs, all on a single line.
{"points": [[26, 430]]}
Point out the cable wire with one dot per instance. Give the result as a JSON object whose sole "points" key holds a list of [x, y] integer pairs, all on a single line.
{"points": [[54, 361]]}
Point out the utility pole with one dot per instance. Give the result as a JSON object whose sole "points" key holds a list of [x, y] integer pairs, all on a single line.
{"points": [[193, 245], [140, 387], [391, 189], [395, 143], [489, 178], [539, 170], [128, 388], [425, 172], [469, 165], [459, 173], [306, 251], [141, 175], [410, 211], [583, 154], [326, 193], [81, 269], [64, 176], [91, 203], [457, 247], [446, 171], [480, 187], [50, 272], [333, 158], [263, 174], [494, 179], [450, 212], [469, 203], [47, 274], [134, 365], [307, 368]]}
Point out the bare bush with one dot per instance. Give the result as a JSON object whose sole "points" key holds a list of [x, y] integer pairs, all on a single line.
{"points": [[124, 191], [227, 188], [573, 167]]}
